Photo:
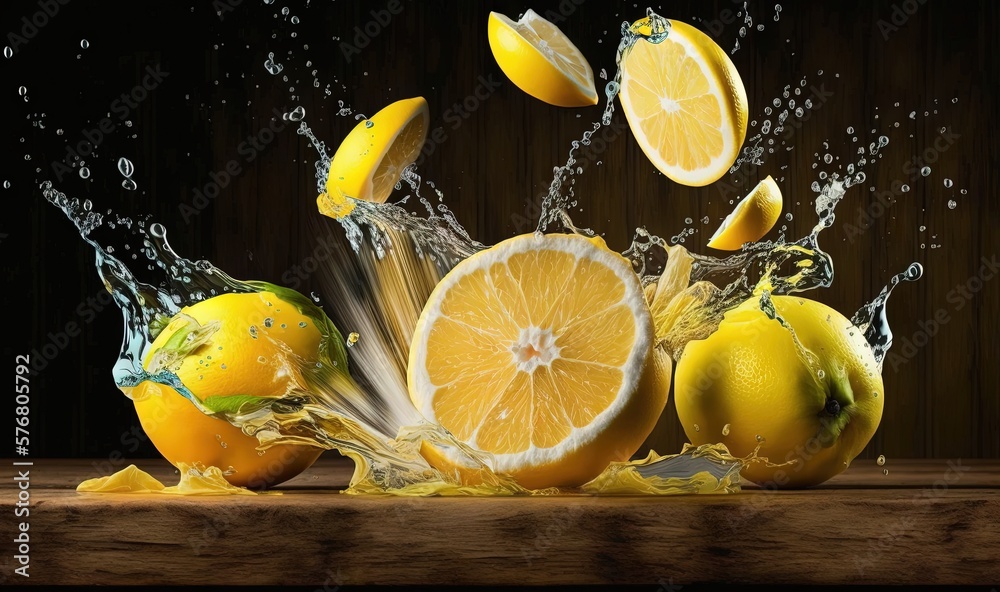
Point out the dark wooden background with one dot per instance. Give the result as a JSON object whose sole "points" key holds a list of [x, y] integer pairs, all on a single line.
{"points": [[941, 402]]}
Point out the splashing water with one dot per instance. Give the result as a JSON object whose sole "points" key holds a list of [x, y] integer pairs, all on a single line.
{"points": [[356, 401]]}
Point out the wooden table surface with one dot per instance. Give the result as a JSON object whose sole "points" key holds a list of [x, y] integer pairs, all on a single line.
{"points": [[927, 521]]}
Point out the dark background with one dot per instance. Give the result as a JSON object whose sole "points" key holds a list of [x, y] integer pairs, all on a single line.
{"points": [[941, 399]]}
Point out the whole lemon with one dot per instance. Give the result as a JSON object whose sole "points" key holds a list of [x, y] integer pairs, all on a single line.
{"points": [[250, 344], [814, 405]]}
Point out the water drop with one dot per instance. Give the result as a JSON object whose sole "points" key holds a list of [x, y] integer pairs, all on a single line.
{"points": [[880, 460], [905, 188], [303, 324], [22, 91], [948, 183], [87, 205], [223, 366], [129, 185], [253, 331], [369, 124], [352, 338], [314, 296], [262, 359], [297, 114], [84, 43], [697, 428], [759, 438], [6, 184], [850, 129], [268, 322], [125, 167], [885, 472], [84, 173], [725, 430], [952, 204], [295, 20], [925, 171], [8, 52]]}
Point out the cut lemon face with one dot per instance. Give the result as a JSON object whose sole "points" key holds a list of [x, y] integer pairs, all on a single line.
{"points": [[540, 351], [753, 217], [369, 161], [685, 103], [541, 60]]}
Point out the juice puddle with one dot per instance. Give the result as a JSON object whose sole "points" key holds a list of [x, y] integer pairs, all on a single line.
{"points": [[354, 398]]}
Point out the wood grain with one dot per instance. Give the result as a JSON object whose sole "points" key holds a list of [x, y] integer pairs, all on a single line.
{"points": [[927, 522]]}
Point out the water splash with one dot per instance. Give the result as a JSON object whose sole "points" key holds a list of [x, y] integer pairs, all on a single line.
{"points": [[871, 317]]}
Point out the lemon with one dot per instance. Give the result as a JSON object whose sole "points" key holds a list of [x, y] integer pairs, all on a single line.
{"points": [[370, 160], [685, 103], [540, 351], [247, 346], [749, 379], [753, 217], [541, 60]]}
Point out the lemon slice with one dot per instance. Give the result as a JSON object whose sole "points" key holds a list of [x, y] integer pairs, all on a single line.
{"points": [[540, 351], [751, 219], [369, 161], [541, 60], [685, 103]]}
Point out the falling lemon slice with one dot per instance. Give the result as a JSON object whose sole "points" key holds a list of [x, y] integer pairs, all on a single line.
{"points": [[752, 218], [540, 351], [541, 60], [369, 161], [685, 103]]}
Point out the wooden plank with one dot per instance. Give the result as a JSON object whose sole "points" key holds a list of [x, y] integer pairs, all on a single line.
{"points": [[861, 527]]}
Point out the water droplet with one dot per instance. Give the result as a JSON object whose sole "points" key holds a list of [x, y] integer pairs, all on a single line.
{"points": [[964, 191], [952, 204], [262, 359], [369, 124], [223, 366], [303, 324], [948, 183], [6, 184], [84, 43], [125, 167], [297, 114], [22, 91], [271, 66], [885, 472], [925, 171], [253, 331], [725, 430], [905, 188], [129, 185], [84, 173], [87, 205], [880, 460], [820, 374], [759, 438], [697, 428], [850, 129], [688, 220], [8, 52], [268, 322], [352, 338], [295, 20]]}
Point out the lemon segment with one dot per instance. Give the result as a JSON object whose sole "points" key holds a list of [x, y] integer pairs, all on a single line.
{"points": [[536, 56], [752, 218], [685, 103], [370, 160], [540, 351]]}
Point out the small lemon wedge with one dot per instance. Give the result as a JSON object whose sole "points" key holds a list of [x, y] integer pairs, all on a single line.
{"points": [[541, 60], [752, 218], [369, 161]]}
